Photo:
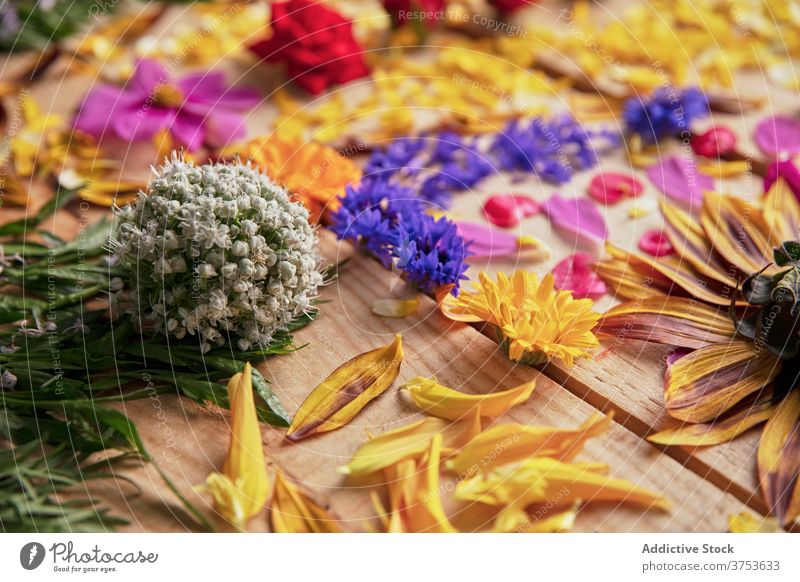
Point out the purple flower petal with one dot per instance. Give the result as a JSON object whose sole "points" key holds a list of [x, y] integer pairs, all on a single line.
{"points": [[149, 74], [679, 179], [578, 217], [778, 136], [111, 101], [487, 241], [188, 129], [140, 124]]}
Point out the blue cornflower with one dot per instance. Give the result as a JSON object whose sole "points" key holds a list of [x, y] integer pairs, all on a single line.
{"points": [[550, 149], [431, 252], [370, 211], [665, 113]]}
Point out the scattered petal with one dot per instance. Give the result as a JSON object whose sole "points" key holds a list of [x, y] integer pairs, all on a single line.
{"points": [[443, 402], [642, 207], [778, 136], [511, 443], [746, 522], [292, 511], [507, 210], [577, 217], [714, 142], [656, 244], [395, 307], [779, 459], [241, 490], [575, 273], [347, 390], [611, 187], [679, 179]]}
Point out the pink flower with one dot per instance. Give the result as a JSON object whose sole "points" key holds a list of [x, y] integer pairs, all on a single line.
{"points": [[575, 273], [198, 109]]}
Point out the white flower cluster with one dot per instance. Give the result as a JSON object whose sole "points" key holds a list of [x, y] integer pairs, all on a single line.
{"points": [[216, 251]]}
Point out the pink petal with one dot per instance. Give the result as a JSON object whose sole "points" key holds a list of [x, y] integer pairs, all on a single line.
{"points": [[148, 75], [100, 108], [223, 128], [188, 130], [611, 187], [778, 136], [786, 170], [140, 124], [575, 274], [210, 89], [506, 210], [679, 179], [655, 243], [577, 217], [487, 241]]}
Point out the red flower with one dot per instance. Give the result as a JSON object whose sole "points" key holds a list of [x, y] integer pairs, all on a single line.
{"points": [[510, 5], [427, 11], [315, 42]]}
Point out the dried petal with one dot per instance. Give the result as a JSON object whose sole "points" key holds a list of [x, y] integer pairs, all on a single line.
{"points": [[511, 443], [241, 490], [679, 179], [779, 460], [611, 187], [395, 307], [410, 442], [292, 511], [714, 142], [575, 273], [577, 217], [347, 390], [443, 402], [746, 522], [541, 479], [656, 244], [778, 136], [507, 210]]}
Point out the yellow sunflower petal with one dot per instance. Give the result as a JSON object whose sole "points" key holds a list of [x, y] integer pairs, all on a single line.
{"points": [[782, 211], [539, 479], [292, 511], [241, 490], [668, 320], [510, 443], [779, 459], [347, 390], [710, 381], [395, 307], [746, 522], [410, 442], [437, 400], [718, 431]]}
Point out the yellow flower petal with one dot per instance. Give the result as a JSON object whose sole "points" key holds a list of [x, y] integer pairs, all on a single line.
{"points": [[410, 442], [347, 390], [437, 400], [292, 511], [746, 522], [779, 459], [539, 479], [241, 490], [395, 307], [510, 443]]}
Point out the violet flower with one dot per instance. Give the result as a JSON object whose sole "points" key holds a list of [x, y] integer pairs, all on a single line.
{"points": [[198, 109]]}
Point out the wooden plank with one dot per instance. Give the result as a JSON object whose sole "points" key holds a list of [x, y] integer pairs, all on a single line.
{"points": [[189, 442]]}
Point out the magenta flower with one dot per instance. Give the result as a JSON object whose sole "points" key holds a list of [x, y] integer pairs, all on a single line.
{"points": [[198, 109]]}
